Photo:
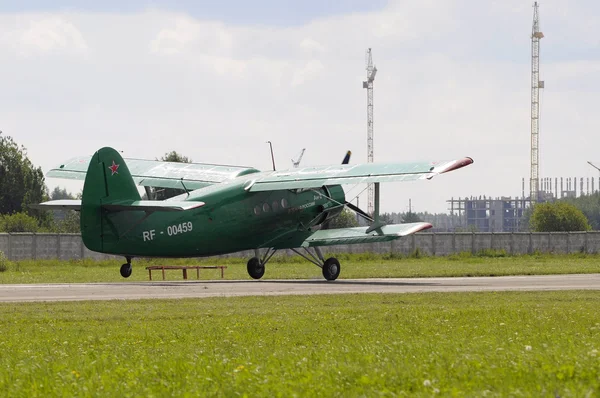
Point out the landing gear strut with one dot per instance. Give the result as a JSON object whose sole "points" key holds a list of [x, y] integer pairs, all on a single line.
{"points": [[126, 268], [331, 267], [256, 265]]}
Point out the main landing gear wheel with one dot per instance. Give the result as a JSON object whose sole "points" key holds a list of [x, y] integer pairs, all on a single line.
{"points": [[256, 269], [331, 269]]}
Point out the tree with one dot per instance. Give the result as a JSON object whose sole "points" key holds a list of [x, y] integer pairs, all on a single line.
{"points": [[18, 222], [21, 182], [70, 224], [58, 194], [558, 216], [386, 218], [64, 221], [173, 156], [346, 219], [166, 193], [409, 217], [590, 206]]}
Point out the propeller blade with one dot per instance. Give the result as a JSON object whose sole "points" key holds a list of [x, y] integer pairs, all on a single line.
{"points": [[359, 211], [347, 157]]}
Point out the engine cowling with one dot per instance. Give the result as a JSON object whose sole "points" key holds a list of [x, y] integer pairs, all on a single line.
{"points": [[332, 207]]}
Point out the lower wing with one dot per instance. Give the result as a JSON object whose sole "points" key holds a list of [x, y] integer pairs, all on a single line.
{"points": [[328, 237]]}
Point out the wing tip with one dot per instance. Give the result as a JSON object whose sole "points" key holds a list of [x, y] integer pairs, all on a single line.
{"points": [[418, 227], [457, 164]]}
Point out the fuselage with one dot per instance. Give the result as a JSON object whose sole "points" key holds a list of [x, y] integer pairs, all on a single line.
{"points": [[232, 219]]}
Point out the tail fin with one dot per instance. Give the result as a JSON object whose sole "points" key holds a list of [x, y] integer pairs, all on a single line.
{"points": [[107, 181], [346, 159]]}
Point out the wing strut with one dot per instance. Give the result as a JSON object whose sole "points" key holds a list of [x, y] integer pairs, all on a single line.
{"points": [[377, 224]]}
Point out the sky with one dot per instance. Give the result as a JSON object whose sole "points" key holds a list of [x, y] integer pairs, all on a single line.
{"points": [[216, 80]]}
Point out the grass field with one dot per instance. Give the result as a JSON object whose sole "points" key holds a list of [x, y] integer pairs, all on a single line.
{"points": [[353, 266], [466, 344]]}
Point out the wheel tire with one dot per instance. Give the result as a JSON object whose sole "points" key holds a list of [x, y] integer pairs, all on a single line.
{"points": [[331, 269], [126, 270], [255, 269]]}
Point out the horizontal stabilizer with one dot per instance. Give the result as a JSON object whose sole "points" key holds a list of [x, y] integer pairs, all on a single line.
{"points": [[63, 204], [152, 205], [342, 236]]}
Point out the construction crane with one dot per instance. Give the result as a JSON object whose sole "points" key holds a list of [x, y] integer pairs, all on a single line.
{"points": [[368, 84], [296, 163], [536, 84]]}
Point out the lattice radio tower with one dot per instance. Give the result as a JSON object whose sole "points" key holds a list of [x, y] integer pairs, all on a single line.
{"points": [[368, 84], [536, 84]]}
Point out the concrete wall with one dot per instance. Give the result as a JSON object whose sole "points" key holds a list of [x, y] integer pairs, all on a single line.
{"points": [[24, 246]]}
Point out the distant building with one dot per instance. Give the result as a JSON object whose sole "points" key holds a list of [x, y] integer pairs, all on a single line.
{"points": [[483, 214]]}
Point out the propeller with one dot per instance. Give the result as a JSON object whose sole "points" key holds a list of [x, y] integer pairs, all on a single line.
{"points": [[349, 205], [359, 211]]}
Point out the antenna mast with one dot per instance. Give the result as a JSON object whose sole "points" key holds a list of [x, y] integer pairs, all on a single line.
{"points": [[368, 84], [536, 84]]}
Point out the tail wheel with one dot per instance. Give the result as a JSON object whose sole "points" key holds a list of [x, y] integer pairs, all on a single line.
{"points": [[256, 269], [126, 270], [331, 269]]}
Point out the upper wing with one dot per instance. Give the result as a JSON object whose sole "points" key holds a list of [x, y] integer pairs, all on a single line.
{"points": [[159, 174], [327, 237], [314, 177]]}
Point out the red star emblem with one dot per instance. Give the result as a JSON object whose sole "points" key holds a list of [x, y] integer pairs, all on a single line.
{"points": [[113, 168]]}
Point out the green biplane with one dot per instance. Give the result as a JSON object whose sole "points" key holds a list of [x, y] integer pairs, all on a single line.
{"points": [[227, 209]]}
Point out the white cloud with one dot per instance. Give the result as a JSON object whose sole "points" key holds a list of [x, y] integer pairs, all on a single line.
{"points": [[308, 72], [186, 34], [32, 35], [310, 45]]}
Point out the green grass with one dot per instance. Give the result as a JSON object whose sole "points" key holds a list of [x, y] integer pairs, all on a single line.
{"points": [[459, 344], [365, 265]]}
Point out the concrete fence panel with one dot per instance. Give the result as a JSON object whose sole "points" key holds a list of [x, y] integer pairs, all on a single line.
{"points": [[593, 242], [46, 246], [22, 246], [424, 242], [71, 246], [482, 241], [5, 244], [378, 247], [444, 244], [502, 241], [403, 245], [540, 242], [577, 242], [521, 243], [463, 242], [558, 242]]}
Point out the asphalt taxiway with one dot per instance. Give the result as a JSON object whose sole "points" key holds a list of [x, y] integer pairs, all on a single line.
{"points": [[220, 288]]}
